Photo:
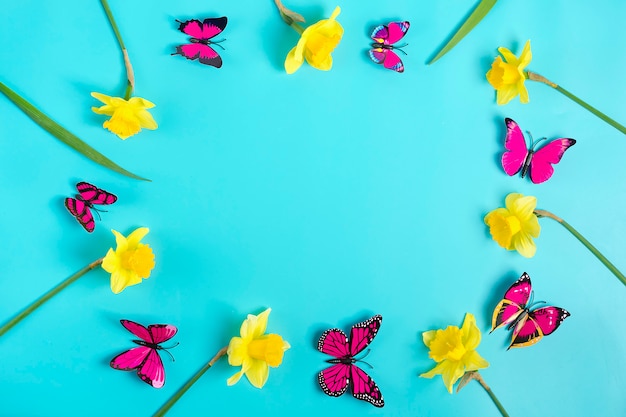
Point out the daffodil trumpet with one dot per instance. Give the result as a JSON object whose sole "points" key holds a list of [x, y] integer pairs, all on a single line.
{"points": [[47, 296], [166, 407], [584, 241]]}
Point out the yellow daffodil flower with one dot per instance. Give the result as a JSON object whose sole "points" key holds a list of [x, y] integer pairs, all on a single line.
{"points": [[127, 116], [255, 351], [454, 350], [316, 44], [514, 227], [508, 76], [130, 262]]}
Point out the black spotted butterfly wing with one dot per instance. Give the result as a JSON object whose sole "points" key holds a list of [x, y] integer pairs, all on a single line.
{"points": [[88, 195]]}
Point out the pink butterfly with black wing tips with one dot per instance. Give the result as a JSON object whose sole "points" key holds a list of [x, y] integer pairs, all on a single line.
{"points": [[539, 162], [80, 206], [145, 358], [334, 381], [382, 51], [528, 326], [201, 33]]}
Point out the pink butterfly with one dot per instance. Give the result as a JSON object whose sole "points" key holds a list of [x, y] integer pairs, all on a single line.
{"points": [[145, 358], [518, 157], [80, 206], [335, 380], [201, 33], [528, 326], [382, 51]]}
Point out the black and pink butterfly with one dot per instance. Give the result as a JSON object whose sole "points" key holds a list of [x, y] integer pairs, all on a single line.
{"points": [[334, 381], [384, 37], [538, 162], [145, 358], [529, 326], [88, 195], [201, 34]]}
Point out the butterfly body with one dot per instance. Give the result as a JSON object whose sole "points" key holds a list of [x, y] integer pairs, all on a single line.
{"points": [[529, 325], [200, 34], [382, 52], [145, 358], [536, 162], [344, 372], [80, 207]]}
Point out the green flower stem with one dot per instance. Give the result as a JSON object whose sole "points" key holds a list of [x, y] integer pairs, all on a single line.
{"points": [[536, 77], [477, 15], [64, 135], [495, 400], [165, 408], [37, 303], [130, 75], [588, 245]]}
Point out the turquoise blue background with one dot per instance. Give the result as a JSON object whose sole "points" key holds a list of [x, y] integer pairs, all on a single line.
{"points": [[327, 196]]}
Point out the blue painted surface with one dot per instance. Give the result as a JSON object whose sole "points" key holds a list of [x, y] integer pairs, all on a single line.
{"points": [[329, 197]]}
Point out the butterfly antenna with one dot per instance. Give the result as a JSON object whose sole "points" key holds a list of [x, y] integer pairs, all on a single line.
{"points": [[399, 48], [217, 43], [361, 358], [168, 352]]}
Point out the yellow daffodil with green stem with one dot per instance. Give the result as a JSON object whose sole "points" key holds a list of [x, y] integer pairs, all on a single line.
{"points": [[316, 43], [454, 351], [513, 227], [128, 264], [128, 114], [507, 76], [253, 350]]}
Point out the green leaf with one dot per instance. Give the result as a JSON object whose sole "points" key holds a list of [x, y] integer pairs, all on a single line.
{"points": [[477, 15], [64, 135]]}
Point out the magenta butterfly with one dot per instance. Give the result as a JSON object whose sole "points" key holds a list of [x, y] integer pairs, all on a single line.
{"points": [[384, 37], [539, 162], [334, 381], [528, 326], [201, 33], [80, 206], [145, 358]]}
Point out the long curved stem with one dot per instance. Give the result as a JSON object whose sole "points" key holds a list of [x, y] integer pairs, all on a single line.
{"points": [[588, 245], [37, 303], [165, 408], [536, 77], [493, 397], [130, 75]]}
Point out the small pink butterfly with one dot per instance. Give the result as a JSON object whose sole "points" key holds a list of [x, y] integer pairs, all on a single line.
{"points": [[518, 157], [382, 51], [528, 326], [80, 206], [145, 358], [334, 381], [201, 33]]}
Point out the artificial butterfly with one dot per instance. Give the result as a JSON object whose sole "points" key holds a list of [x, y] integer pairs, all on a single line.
{"points": [[528, 326], [201, 33], [80, 206], [145, 358], [384, 37], [335, 380], [518, 157]]}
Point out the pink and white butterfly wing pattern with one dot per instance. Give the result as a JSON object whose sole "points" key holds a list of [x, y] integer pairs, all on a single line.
{"points": [[145, 358], [363, 333], [364, 388], [88, 195], [516, 150], [541, 162], [513, 303], [334, 381], [201, 33], [334, 342]]}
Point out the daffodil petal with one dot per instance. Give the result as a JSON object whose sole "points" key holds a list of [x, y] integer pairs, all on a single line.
{"points": [[237, 350], [261, 324], [451, 372], [146, 120], [110, 262], [123, 278], [526, 56], [257, 373], [293, 62], [470, 332], [524, 244], [509, 57], [505, 94], [335, 13], [428, 337], [234, 379], [473, 361], [134, 238], [120, 241]]}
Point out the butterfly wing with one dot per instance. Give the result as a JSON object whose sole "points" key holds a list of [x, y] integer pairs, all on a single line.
{"points": [[334, 342], [541, 168], [334, 380], [388, 58], [391, 33], [94, 195], [363, 333], [540, 322], [81, 212], [131, 359], [516, 150], [203, 53], [513, 304], [203, 30], [151, 370], [364, 388], [138, 330], [160, 333]]}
